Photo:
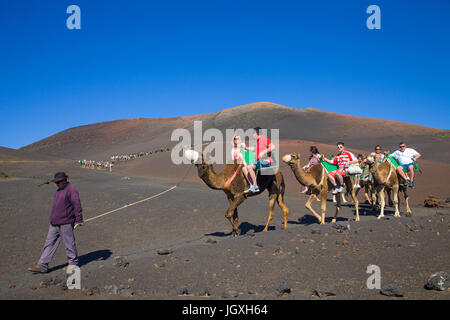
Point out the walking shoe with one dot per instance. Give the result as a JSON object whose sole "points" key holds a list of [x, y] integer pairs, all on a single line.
{"points": [[336, 190], [341, 189], [38, 269], [255, 189], [411, 184], [251, 189]]}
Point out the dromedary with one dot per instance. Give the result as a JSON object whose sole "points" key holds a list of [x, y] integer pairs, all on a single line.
{"points": [[233, 182], [385, 176], [317, 180]]}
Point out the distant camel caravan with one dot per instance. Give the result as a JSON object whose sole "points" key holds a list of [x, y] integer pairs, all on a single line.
{"points": [[233, 182], [317, 180], [385, 176]]}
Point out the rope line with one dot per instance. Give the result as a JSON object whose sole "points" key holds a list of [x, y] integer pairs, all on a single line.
{"points": [[131, 204], [137, 202]]}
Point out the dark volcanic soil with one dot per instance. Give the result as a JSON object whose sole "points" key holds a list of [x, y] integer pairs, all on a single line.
{"points": [[197, 255]]}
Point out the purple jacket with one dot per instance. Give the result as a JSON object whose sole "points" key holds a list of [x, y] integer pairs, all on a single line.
{"points": [[66, 207]]}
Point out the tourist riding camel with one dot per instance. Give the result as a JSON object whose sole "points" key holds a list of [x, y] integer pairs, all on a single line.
{"points": [[343, 159], [232, 181], [406, 158], [319, 184], [314, 159], [263, 157]]}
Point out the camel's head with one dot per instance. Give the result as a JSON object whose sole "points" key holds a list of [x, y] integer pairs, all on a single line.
{"points": [[370, 160], [192, 155], [291, 158], [200, 160]]}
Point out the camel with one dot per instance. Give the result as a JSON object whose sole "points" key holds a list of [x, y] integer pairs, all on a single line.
{"points": [[369, 189], [385, 176], [370, 194], [317, 180], [233, 182]]}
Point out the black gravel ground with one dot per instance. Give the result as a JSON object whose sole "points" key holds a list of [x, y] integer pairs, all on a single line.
{"points": [[178, 246]]}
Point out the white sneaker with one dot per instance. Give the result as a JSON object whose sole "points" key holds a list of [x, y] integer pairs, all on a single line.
{"points": [[335, 191], [341, 189]]}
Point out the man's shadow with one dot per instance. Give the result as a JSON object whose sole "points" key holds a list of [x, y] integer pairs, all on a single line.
{"points": [[87, 258]]}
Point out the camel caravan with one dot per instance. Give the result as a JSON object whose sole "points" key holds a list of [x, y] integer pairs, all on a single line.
{"points": [[243, 177]]}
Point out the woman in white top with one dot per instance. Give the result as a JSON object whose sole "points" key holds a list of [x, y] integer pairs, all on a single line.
{"points": [[314, 159], [236, 154]]}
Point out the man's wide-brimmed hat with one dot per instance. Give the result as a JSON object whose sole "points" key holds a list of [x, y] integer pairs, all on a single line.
{"points": [[59, 176]]}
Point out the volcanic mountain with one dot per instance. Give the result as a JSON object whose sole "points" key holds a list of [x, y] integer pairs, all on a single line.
{"points": [[13, 155], [100, 140]]}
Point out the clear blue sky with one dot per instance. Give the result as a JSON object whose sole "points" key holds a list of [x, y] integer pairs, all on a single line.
{"points": [[153, 58]]}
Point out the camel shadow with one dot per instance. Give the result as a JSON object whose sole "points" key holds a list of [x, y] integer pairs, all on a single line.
{"points": [[218, 234], [245, 227], [365, 209], [87, 258], [308, 219]]}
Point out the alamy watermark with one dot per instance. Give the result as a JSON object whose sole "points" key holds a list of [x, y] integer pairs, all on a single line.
{"points": [[74, 20], [374, 20], [374, 280], [217, 148], [73, 278]]}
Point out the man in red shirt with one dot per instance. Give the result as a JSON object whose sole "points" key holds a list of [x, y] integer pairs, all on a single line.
{"points": [[343, 159], [263, 157]]}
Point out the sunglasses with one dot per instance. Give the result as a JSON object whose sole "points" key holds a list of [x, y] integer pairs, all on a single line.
{"points": [[378, 149], [402, 146]]}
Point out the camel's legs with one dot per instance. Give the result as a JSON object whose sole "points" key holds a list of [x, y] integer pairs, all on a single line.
{"points": [[338, 207], [375, 200], [323, 204], [395, 195], [366, 195], [284, 208], [272, 199], [232, 215], [311, 198], [408, 209], [380, 192], [343, 198], [390, 202], [356, 202]]}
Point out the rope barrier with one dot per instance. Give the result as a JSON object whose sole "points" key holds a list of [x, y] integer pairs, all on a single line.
{"points": [[137, 202]]}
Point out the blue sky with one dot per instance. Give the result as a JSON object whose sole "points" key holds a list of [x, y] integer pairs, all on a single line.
{"points": [[173, 58]]}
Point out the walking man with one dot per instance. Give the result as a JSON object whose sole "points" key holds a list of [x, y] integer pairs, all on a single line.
{"points": [[66, 212]]}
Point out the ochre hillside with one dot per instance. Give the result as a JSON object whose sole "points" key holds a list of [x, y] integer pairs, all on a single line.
{"points": [[100, 140]]}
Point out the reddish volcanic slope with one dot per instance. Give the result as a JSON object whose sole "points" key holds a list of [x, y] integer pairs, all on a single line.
{"points": [[12, 155], [99, 141]]}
